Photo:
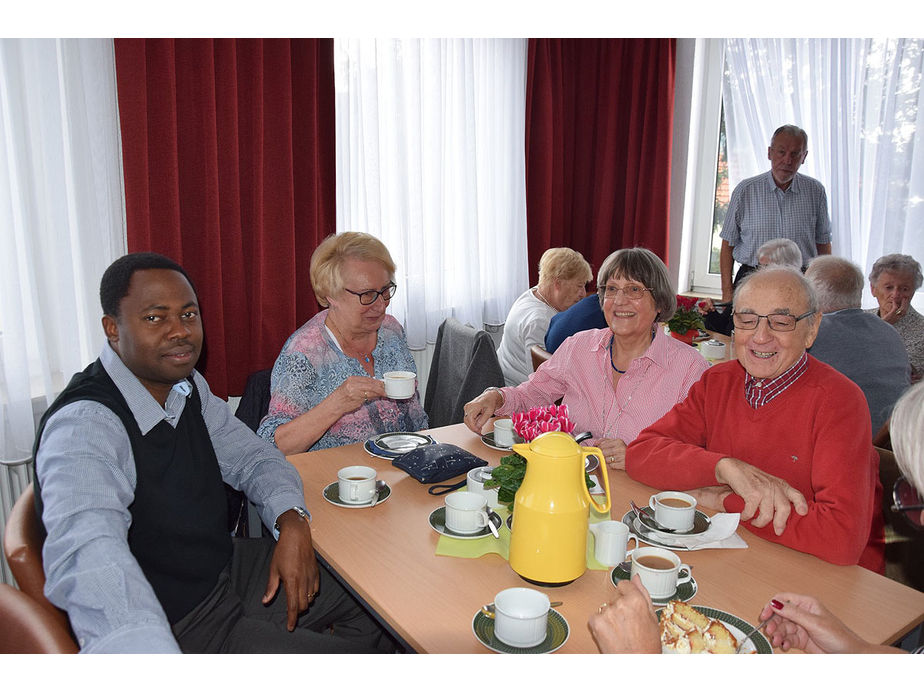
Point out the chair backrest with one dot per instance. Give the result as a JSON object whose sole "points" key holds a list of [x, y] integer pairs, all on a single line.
{"points": [[464, 364], [22, 546], [539, 355], [29, 628], [256, 398]]}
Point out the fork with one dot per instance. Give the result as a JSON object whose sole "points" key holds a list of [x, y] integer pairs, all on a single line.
{"points": [[747, 636]]}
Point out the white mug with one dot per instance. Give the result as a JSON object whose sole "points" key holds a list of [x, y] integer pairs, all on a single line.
{"points": [[356, 484], [503, 432], [674, 509], [465, 512], [611, 538], [521, 616], [400, 384], [474, 484], [661, 579]]}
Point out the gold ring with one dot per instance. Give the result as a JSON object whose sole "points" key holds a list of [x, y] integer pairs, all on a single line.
{"points": [[602, 607]]}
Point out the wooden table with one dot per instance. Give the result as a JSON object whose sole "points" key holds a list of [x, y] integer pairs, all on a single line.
{"points": [[387, 556]]}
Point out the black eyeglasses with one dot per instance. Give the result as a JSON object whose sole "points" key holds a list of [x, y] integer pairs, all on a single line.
{"points": [[367, 298], [906, 500], [778, 322]]}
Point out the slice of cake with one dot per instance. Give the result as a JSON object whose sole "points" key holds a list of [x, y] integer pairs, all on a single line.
{"points": [[685, 630]]}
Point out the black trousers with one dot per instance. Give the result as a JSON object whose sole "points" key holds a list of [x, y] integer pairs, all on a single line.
{"points": [[232, 618]]}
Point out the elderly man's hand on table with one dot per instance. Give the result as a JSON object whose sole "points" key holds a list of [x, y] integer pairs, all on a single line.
{"points": [[626, 623], [766, 498], [295, 565]]}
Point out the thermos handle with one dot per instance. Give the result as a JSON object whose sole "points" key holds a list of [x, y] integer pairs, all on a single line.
{"points": [[598, 453]]}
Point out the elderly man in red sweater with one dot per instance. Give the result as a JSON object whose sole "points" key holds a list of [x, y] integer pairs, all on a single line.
{"points": [[776, 435]]}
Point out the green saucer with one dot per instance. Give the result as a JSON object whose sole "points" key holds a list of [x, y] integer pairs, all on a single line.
{"points": [[685, 590], [556, 635]]}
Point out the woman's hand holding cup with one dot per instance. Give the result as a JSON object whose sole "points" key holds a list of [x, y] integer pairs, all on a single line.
{"points": [[358, 390], [480, 410]]}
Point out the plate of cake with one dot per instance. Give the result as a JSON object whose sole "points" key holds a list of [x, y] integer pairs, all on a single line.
{"points": [[692, 629]]}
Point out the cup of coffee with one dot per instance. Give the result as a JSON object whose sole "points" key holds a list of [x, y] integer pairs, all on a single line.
{"points": [[400, 384], [475, 484], [611, 539], [465, 512], [521, 616], [356, 484], [674, 509], [660, 571], [503, 432]]}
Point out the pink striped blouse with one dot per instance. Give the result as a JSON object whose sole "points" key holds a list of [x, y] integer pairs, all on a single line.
{"points": [[579, 373]]}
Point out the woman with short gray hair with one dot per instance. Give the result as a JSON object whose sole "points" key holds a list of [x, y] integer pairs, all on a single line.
{"points": [[893, 281], [615, 380]]}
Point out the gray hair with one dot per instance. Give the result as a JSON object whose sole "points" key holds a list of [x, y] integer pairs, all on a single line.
{"points": [[792, 131], [641, 265], [906, 429], [781, 251], [838, 283], [897, 264], [808, 290]]}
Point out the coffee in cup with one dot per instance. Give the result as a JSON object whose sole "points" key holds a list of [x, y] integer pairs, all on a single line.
{"points": [[674, 509], [465, 512], [661, 571], [521, 616], [356, 484], [400, 384]]}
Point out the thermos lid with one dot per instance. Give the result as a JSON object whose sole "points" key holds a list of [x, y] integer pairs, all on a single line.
{"points": [[554, 444]]}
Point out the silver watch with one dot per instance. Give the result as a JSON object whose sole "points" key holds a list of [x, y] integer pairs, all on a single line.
{"points": [[299, 510]]}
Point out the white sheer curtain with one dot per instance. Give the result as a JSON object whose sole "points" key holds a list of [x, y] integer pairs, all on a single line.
{"points": [[860, 101], [430, 159], [61, 219]]}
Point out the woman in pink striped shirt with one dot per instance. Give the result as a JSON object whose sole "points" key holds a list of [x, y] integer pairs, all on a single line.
{"points": [[616, 380]]}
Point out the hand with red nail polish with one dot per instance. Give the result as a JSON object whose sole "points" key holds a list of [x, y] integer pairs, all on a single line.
{"points": [[803, 622]]}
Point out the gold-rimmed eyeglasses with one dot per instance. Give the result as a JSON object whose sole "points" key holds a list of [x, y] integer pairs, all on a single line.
{"points": [[367, 298], [632, 292], [778, 322]]}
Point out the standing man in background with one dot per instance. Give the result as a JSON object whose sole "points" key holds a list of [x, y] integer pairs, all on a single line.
{"points": [[781, 203]]}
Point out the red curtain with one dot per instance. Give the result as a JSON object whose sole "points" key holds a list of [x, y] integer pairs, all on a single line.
{"points": [[228, 156], [598, 145]]}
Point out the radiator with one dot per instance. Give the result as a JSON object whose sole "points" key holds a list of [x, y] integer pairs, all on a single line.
{"points": [[13, 480]]}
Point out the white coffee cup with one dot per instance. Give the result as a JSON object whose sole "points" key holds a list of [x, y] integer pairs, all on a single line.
{"points": [[521, 616], [400, 384], [356, 484], [659, 570], [674, 509], [475, 485], [611, 538], [465, 512], [503, 432]]}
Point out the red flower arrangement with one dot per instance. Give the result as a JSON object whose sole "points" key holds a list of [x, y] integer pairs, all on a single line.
{"points": [[538, 420]]}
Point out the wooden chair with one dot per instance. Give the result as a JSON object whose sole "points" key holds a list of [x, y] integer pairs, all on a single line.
{"points": [[22, 545], [539, 356], [29, 628]]}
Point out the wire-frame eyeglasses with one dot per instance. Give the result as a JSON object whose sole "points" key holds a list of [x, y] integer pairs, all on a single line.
{"points": [[906, 500]]}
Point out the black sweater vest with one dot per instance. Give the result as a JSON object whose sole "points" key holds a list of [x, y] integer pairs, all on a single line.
{"points": [[179, 530]]}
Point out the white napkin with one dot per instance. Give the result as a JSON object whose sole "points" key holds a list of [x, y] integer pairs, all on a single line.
{"points": [[720, 535]]}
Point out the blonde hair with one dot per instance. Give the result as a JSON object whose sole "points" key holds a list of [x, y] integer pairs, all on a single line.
{"points": [[328, 258], [563, 263], [906, 430]]}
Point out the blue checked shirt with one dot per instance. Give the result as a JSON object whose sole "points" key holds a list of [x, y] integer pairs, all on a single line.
{"points": [[87, 472], [759, 212]]}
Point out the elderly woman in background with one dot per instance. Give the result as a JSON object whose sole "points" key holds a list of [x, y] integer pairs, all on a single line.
{"points": [[626, 622], [563, 274], [326, 389], [778, 251], [893, 281], [615, 380]]}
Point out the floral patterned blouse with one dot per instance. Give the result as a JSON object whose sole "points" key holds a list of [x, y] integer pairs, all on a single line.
{"points": [[311, 367]]}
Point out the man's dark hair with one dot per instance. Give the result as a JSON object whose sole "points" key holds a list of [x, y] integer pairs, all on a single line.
{"points": [[114, 285]]}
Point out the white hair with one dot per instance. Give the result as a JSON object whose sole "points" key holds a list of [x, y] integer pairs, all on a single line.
{"points": [[781, 251], [906, 429]]}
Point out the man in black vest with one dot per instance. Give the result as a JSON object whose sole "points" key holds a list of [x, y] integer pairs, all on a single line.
{"points": [[129, 463]]}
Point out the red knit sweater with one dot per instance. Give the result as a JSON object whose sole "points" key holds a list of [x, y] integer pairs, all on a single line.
{"points": [[815, 435]]}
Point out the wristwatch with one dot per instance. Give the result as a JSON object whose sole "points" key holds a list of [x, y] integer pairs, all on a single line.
{"points": [[301, 513]]}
